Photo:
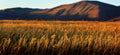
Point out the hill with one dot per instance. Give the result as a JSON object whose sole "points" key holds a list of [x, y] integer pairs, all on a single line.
{"points": [[14, 13], [83, 10]]}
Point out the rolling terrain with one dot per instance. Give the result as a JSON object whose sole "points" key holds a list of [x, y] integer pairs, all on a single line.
{"points": [[83, 10], [15, 13], [81, 28]]}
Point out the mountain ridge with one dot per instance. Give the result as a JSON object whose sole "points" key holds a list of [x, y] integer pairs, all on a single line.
{"points": [[83, 10], [92, 9], [13, 13]]}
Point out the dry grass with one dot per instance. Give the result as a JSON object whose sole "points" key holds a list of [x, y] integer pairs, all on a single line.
{"points": [[59, 38]]}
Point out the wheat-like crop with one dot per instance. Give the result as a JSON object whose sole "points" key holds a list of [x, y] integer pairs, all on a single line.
{"points": [[18, 37]]}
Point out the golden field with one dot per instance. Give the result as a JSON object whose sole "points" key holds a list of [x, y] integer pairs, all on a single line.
{"points": [[21, 37]]}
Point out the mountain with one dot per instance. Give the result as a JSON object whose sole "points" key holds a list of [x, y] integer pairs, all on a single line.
{"points": [[119, 9], [83, 10], [115, 19], [14, 13], [1, 16]]}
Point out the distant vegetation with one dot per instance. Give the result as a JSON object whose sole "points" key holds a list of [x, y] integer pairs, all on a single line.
{"points": [[59, 38]]}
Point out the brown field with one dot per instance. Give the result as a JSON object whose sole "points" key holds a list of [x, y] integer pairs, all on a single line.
{"points": [[20, 37]]}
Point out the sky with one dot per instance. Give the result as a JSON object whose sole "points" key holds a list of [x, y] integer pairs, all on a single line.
{"points": [[43, 4]]}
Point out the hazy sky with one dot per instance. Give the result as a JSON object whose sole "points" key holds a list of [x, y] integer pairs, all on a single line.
{"points": [[43, 3]]}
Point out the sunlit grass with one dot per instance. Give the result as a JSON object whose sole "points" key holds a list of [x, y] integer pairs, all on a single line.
{"points": [[59, 38]]}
